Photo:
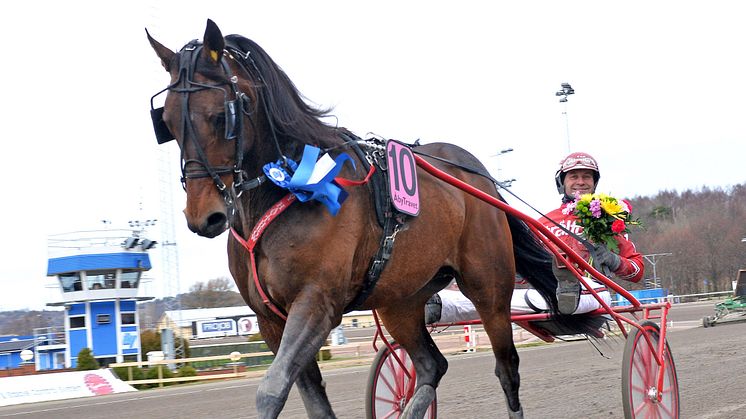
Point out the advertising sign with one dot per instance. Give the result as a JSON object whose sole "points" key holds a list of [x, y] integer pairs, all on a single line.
{"points": [[248, 326], [216, 328], [129, 340], [58, 386]]}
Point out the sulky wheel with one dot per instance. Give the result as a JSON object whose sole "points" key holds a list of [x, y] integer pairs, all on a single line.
{"points": [[389, 386], [640, 377]]}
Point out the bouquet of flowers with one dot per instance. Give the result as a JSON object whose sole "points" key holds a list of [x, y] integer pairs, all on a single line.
{"points": [[602, 217]]}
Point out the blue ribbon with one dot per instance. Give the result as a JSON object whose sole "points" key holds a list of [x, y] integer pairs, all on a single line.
{"points": [[325, 190]]}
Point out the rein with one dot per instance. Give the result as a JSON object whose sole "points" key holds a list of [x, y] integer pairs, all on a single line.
{"points": [[500, 185], [256, 233]]}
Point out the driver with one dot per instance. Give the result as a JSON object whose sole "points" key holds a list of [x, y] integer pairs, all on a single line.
{"points": [[578, 173]]}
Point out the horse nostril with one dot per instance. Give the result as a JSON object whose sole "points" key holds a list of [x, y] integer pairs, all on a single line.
{"points": [[216, 219]]}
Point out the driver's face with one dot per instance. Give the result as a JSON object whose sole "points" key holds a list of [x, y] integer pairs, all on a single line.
{"points": [[580, 181]]}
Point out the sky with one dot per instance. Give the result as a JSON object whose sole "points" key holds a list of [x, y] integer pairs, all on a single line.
{"points": [[660, 99]]}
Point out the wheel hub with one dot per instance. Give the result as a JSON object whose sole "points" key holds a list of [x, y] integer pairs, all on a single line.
{"points": [[402, 403], [653, 394]]}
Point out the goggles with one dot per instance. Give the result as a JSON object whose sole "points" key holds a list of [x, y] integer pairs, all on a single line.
{"points": [[579, 162]]}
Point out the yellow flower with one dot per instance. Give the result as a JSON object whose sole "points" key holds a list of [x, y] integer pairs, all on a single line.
{"points": [[611, 207]]}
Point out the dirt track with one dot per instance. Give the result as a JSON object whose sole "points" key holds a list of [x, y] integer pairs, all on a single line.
{"points": [[566, 380]]}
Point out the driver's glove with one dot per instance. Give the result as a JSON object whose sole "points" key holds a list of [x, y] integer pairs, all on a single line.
{"points": [[603, 257]]}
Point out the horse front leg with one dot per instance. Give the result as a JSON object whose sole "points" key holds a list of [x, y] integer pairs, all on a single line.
{"points": [[310, 383], [312, 389], [305, 331]]}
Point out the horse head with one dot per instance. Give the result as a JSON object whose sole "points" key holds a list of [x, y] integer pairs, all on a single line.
{"points": [[232, 110], [209, 103]]}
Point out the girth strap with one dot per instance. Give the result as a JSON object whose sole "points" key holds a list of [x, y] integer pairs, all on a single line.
{"points": [[388, 221], [377, 264]]}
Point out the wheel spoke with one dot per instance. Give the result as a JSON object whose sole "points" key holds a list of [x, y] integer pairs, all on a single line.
{"points": [[640, 408], [665, 408], [641, 389], [640, 376], [392, 413], [638, 365], [386, 399], [411, 384], [391, 386], [401, 372]]}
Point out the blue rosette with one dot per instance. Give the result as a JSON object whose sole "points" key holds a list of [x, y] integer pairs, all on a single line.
{"points": [[277, 173], [326, 190]]}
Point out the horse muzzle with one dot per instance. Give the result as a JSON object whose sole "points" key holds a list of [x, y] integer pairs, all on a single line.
{"points": [[211, 226]]}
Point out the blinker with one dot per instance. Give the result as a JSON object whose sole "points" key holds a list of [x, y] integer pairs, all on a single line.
{"points": [[162, 133], [230, 120]]}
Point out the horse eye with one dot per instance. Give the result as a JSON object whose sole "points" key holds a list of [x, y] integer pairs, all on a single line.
{"points": [[219, 123]]}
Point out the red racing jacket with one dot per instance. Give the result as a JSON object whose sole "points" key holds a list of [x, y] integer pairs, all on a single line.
{"points": [[631, 266]]}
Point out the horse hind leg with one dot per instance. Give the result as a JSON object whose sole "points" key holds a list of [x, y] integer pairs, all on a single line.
{"points": [[506, 360], [493, 304], [507, 372], [434, 363], [430, 365]]}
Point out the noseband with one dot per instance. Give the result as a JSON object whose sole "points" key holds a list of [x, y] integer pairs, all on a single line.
{"points": [[235, 109]]}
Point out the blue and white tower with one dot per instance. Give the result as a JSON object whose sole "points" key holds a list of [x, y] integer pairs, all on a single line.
{"points": [[99, 274]]}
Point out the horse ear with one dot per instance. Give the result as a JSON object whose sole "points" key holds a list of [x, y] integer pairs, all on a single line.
{"points": [[165, 54], [213, 41]]}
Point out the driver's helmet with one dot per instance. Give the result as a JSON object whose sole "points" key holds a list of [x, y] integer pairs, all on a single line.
{"points": [[576, 160]]}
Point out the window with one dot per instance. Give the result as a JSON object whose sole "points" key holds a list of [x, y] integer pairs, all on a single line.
{"points": [[129, 358], [70, 282], [100, 279], [128, 318], [130, 279], [77, 322], [105, 361]]}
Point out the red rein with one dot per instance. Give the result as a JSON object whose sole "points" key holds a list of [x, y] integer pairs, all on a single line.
{"points": [[256, 234]]}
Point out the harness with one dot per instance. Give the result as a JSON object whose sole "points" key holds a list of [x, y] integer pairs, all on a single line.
{"points": [[374, 159], [390, 221], [237, 104]]}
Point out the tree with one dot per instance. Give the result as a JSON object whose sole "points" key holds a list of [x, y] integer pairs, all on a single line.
{"points": [[215, 293], [150, 340], [23, 322], [702, 229], [86, 361]]}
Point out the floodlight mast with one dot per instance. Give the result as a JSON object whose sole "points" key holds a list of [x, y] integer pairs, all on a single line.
{"points": [[504, 183], [565, 91]]}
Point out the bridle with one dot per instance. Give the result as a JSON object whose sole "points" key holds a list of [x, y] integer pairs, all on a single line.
{"points": [[236, 103]]}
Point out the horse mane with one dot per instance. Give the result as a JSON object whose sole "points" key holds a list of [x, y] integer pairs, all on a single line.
{"points": [[293, 118]]}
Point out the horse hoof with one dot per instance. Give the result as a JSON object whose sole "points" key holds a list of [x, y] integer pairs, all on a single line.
{"points": [[419, 403], [516, 415]]}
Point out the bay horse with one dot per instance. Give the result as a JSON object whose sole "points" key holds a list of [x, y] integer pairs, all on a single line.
{"points": [[232, 110]]}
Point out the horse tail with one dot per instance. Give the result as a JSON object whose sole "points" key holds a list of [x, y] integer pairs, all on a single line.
{"points": [[534, 263]]}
